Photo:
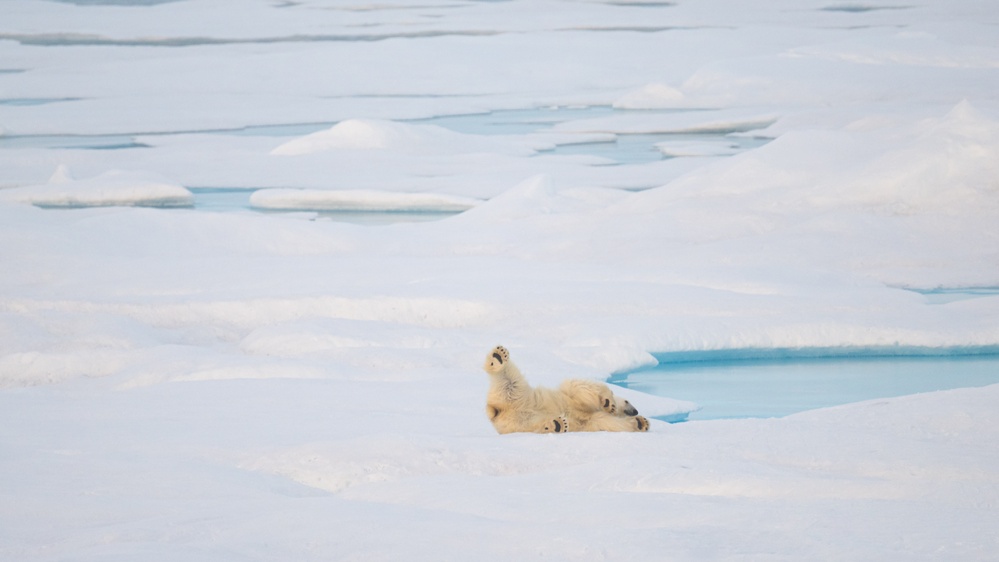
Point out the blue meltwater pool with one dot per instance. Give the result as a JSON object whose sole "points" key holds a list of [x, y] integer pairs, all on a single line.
{"points": [[774, 383]]}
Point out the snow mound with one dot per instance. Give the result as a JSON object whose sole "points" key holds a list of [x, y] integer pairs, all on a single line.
{"points": [[359, 200], [112, 188], [378, 134], [943, 165], [533, 196], [539, 195], [352, 134], [652, 96]]}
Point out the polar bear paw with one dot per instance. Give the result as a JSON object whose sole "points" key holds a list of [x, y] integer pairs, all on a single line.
{"points": [[497, 359], [609, 405], [641, 423], [557, 425], [501, 354]]}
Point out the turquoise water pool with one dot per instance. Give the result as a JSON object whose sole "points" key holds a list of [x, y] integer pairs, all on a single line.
{"points": [[775, 383]]}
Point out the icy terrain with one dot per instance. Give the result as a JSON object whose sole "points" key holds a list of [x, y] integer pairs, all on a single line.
{"points": [[184, 383]]}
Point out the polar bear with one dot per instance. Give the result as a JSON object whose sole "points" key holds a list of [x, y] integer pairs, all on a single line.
{"points": [[578, 405]]}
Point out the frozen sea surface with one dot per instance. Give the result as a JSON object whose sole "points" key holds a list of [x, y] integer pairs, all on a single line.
{"points": [[633, 177]]}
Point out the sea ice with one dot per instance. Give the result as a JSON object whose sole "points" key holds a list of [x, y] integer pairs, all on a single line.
{"points": [[362, 134], [114, 187], [178, 383], [358, 200]]}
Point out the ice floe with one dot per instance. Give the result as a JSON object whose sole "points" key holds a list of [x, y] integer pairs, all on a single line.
{"points": [[112, 188], [359, 200]]}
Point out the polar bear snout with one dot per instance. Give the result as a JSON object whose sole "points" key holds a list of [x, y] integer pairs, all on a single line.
{"points": [[629, 409]]}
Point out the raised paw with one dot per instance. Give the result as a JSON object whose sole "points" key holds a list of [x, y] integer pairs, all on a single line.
{"points": [[641, 423], [558, 425], [497, 358]]}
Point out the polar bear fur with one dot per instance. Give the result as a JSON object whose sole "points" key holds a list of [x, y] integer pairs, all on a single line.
{"points": [[577, 405]]}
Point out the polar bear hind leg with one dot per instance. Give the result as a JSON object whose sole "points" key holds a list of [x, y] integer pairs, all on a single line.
{"points": [[590, 396], [541, 422], [603, 421], [557, 425]]}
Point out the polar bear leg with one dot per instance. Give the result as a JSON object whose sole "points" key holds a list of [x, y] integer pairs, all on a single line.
{"points": [[591, 396], [541, 422], [544, 423], [586, 396], [603, 421]]}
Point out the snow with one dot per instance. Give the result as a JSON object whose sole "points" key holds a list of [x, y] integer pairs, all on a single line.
{"points": [[652, 96], [697, 148], [273, 386], [114, 187], [365, 134], [358, 200]]}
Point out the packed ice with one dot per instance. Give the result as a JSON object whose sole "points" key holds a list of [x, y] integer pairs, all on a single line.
{"points": [[611, 182]]}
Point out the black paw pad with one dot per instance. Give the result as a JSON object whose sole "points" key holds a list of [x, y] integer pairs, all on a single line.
{"points": [[500, 354], [610, 406]]}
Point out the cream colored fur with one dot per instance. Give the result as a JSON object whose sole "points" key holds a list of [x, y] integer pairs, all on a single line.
{"points": [[577, 405]]}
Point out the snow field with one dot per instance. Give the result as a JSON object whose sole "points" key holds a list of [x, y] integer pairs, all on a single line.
{"points": [[250, 386], [269, 468]]}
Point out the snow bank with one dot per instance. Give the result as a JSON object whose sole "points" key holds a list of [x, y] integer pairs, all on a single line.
{"points": [[692, 122], [359, 200], [112, 188], [307, 468], [652, 96], [942, 165], [362, 134], [679, 149], [374, 134]]}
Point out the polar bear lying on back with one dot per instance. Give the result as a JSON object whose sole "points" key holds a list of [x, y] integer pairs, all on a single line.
{"points": [[578, 405]]}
